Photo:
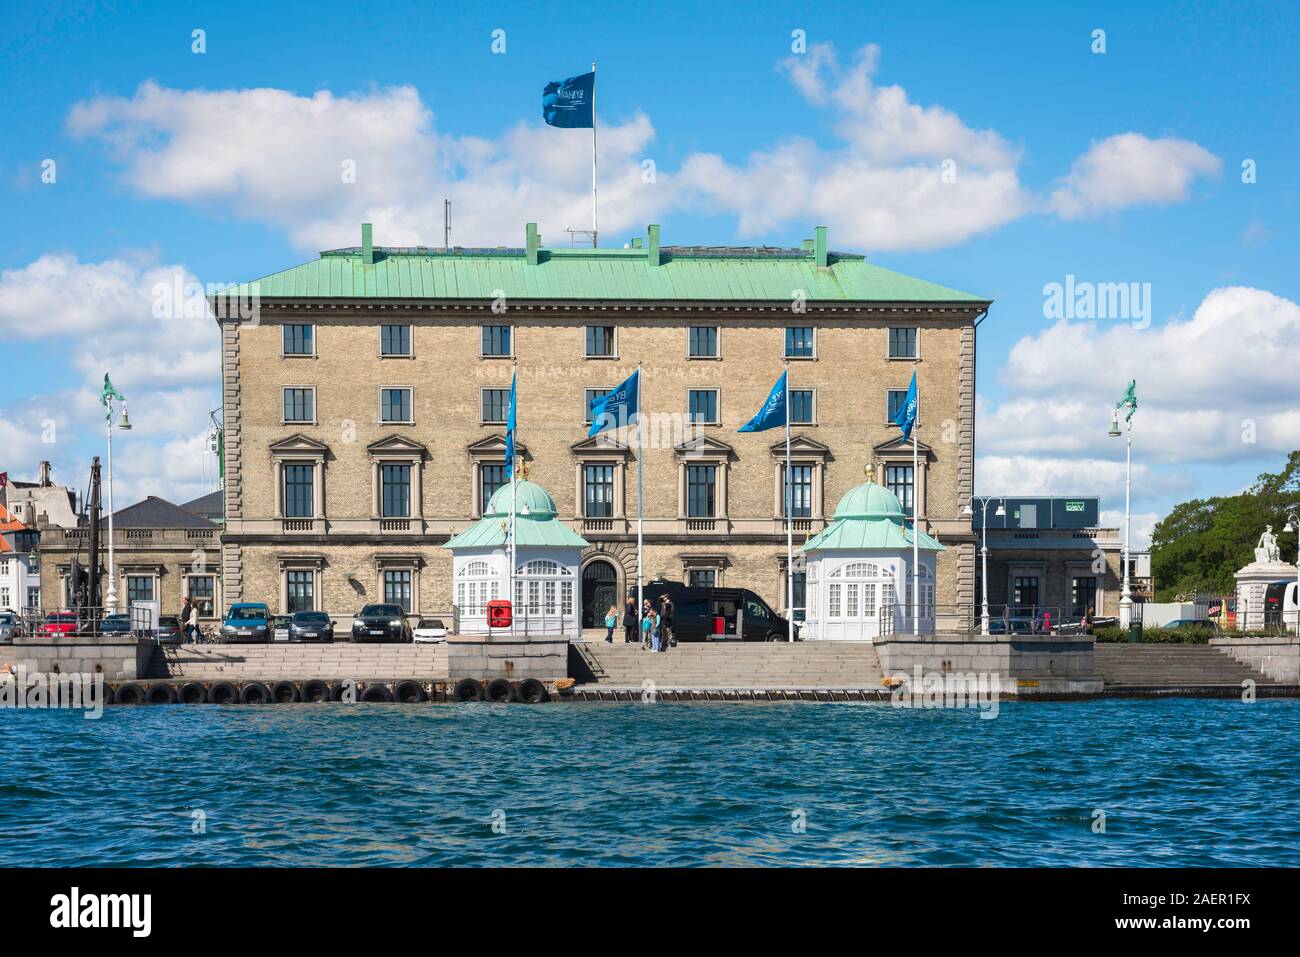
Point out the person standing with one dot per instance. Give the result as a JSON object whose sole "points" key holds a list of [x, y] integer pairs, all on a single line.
{"points": [[193, 622], [185, 618], [666, 619], [656, 631], [611, 619], [629, 621]]}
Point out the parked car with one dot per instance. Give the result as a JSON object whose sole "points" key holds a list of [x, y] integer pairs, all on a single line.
{"points": [[118, 623], [1014, 625], [58, 623], [280, 627], [381, 623], [430, 630], [11, 627], [1191, 624], [169, 630], [718, 614], [311, 626], [247, 621]]}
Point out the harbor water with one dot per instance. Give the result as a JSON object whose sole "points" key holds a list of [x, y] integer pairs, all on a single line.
{"points": [[1177, 782]]}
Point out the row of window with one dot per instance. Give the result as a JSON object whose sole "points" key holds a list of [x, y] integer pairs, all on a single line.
{"points": [[33, 598], [598, 489], [601, 342], [702, 405]]}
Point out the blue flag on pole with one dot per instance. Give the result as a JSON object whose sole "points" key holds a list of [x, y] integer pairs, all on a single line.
{"points": [[772, 415], [569, 103], [617, 408], [905, 417], [510, 431]]}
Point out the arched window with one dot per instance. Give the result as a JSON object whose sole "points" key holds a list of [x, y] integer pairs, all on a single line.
{"points": [[477, 585], [857, 591]]}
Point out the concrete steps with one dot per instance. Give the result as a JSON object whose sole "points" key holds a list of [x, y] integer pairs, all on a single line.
{"points": [[751, 665], [274, 661], [1126, 665]]}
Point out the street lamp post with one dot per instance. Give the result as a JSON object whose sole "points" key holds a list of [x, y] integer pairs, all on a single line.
{"points": [[984, 550], [1293, 525], [1125, 595], [110, 600]]}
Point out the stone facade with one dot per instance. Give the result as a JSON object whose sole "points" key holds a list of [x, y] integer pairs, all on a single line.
{"points": [[1056, 564], [343, 549], [175, 561]]}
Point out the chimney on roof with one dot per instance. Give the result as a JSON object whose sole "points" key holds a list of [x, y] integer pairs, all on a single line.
{"points": [[367, 246], [532, 242], [819, 245], [652, 245], [45, 475]]}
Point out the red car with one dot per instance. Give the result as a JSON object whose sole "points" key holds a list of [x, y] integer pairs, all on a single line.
{"points": [[58, 623]]}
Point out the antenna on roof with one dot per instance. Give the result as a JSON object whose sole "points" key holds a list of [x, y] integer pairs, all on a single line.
{"points": [[586, 234]]}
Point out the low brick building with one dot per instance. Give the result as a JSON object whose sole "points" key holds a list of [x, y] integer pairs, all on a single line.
{"points": [[161, 551]]}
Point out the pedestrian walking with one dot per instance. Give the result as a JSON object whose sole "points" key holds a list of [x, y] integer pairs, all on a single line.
{"points": [[192, 622], [1087, 621], [611, 619], [629, 622], [185, 617], [656, 631]]}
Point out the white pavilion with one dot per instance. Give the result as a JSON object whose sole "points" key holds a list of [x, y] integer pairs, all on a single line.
{"points": [[859, 571], [547, 554]]}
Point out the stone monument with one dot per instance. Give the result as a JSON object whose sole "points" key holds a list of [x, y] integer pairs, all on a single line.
{"points": [[1254, 579]]}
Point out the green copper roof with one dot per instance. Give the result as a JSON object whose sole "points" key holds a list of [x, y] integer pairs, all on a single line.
{"points": [[868, 516], [751, 274], [535, 521]]}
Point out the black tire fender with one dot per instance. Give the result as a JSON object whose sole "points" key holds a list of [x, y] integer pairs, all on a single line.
{"points": [[285, 692], [408, 692], [192, 693], [223, 692], [501, 691], [531, 691], [376, 692], [255, 693], [160, 694], [467, 689], [129, 693], [315, 690]]}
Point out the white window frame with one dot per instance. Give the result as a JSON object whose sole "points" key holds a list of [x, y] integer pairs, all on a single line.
{"points": [[504, 355], [379, 411], [813, 420], [717, 341], [916, 353], [591, 325], [785, 339], [717, 405], [299, 355], [410, 354], [315, 418]]}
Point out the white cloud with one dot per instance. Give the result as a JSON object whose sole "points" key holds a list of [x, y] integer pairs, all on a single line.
{"points": [[899, 175], [167, 366], [1129, 169], [272, 155]]}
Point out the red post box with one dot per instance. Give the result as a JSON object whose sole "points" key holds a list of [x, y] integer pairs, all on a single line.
{"points": [[499, 614]]}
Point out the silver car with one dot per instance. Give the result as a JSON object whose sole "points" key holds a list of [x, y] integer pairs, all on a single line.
{"points": [[10, 626]]}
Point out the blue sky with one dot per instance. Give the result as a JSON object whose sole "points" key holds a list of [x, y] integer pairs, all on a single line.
{"points": [[1122, 166]]}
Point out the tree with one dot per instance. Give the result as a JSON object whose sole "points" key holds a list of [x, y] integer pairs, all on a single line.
{"points": [[1200, 544]]}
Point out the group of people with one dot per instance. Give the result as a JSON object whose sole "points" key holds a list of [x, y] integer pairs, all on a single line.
{"points": [[189, 620], [654, 624]]}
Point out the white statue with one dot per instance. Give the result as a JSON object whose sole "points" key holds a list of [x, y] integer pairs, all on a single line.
{"points": [[1267, 550]]}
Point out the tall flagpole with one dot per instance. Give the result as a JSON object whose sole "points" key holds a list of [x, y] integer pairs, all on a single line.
{"points": [[916, 519], [514, 476], [640, 499], [594, 229], [789, 516]]}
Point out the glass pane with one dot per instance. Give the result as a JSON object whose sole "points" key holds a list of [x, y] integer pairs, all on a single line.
{"points": [[799, 341], [396, 488], [298, 499], [700, 484]]}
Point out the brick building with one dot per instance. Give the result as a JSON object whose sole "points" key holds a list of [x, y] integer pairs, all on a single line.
{"points": [[161, 551], [364, 402]]}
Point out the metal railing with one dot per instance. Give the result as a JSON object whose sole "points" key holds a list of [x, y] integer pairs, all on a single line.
{"points": [[968, 618]]}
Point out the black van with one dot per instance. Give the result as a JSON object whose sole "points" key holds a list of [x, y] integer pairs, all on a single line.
{"points": [[718, 614]]}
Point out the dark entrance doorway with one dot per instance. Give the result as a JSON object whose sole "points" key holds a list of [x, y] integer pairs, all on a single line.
{"points": [[599, 591]]}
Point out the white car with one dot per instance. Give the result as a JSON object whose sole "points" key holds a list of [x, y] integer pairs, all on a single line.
{"points": [[429, 630]]}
